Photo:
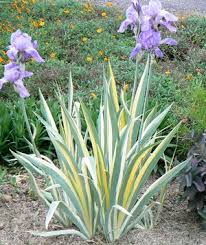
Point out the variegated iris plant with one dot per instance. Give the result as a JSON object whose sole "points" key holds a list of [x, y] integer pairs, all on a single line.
{"points": [[97, 183]]}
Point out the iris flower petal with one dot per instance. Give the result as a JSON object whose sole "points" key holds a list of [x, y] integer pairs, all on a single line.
{"points": [[158, 53], [2, 81], [169, 41], [136, 50], [34, 53], [21, 89]]}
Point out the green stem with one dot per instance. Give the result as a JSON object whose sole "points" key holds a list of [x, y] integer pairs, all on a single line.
{"points": [[36, 152], [146, 96], [135, 81], [136, 70]]}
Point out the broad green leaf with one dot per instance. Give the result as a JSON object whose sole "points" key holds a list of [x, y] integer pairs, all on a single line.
{"points": [[150, 192], [69, 232], [50, 213]]}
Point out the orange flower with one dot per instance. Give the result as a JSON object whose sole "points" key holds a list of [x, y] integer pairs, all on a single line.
{"points": [[52, 55], [1, 60], [88, 7], [106, 59], [39, 23], [109, 4], [126, 87]]}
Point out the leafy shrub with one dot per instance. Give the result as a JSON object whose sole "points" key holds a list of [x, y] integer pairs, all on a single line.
{"points": [[194, 180], [13, 133], [198, 115], [97, 183], [3, 173]]}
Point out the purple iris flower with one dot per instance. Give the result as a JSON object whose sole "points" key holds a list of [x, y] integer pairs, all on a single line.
{"points": [[132, 16], [15, 74], [23, 47], [149, 17], [155, 16], [150, 41]]}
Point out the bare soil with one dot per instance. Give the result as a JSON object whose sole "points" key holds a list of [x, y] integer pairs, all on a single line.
{"points": [[21, 212]]}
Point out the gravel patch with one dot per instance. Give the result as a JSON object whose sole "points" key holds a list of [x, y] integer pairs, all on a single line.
{"points": [[178, 6], [22, 213]]}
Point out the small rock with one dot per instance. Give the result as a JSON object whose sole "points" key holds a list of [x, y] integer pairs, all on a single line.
{"points": [[1, 226], [6, 198]]}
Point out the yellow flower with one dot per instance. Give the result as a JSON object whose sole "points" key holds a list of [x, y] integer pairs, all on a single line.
{"points": [[88, 7], [52, 55], [4, 52], [106, 59], [28, 10], [1, 59], [89, 59], [41, 22], [104, 14], [84, 39], [101, 52], [19, 10], [109, 4], [38, 24], [126, 87], [66, 11], [93, 95], [189, 77], [99, 30], [168, 72]]}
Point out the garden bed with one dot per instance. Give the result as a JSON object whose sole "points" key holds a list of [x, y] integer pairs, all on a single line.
{"points": [[83, 38], [21, 212]]}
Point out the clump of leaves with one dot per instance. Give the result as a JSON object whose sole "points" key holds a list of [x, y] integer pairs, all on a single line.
{"points": [[197, 113], [194, 180], [3, 173]]}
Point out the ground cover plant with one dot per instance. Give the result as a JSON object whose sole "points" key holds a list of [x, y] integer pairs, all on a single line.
{"points": [[193, 182], [88, 34]]}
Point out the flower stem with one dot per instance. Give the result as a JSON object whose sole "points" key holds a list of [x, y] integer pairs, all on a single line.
{"points": [[23, 106], [146, 96]]}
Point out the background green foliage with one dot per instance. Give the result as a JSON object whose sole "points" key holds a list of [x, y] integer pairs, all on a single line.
{"points": [[69, 40]]}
